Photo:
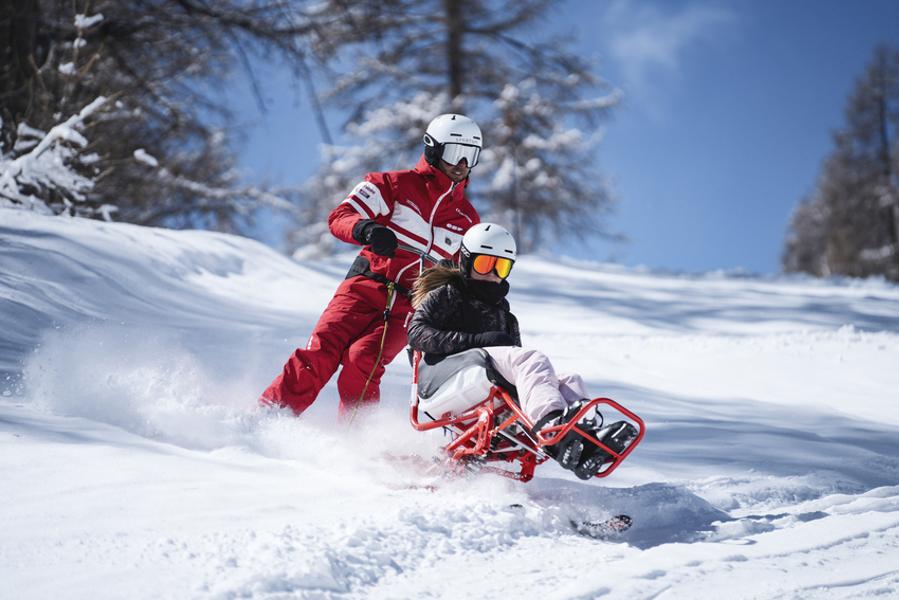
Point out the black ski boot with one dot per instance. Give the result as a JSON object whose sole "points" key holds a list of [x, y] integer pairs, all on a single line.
{"points": [[576, 453], [567, 451], [616, 436]]}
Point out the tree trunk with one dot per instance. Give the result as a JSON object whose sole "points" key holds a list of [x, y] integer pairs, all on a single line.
{"points": [[18, 26], [882, 115], [892, 210], [454, 24]]}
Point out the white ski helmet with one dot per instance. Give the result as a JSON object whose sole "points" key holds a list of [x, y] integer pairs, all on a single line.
{"points": [[452, 137], [487, 239]]}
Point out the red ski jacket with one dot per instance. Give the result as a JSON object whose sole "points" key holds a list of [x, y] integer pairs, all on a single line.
{"points": [[422, 206]]}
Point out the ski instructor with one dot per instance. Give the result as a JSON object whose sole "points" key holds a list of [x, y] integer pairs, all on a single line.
{"points": [[397, 217]]}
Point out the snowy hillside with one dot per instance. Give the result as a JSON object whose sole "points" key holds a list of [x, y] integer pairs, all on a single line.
{"points": [[135, 463]]}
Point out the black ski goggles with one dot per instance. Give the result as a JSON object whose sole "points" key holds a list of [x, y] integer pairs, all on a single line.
{"points": [[454, 153]]}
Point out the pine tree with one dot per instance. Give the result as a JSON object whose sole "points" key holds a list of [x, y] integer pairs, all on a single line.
{"points": [[538, 103], [849, 225]]}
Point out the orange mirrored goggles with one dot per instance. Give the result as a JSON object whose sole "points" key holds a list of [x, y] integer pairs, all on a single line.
{"points": [[484, 264]]}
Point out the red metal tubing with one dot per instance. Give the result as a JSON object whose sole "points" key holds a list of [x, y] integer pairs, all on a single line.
{"points": [[477, 431]]}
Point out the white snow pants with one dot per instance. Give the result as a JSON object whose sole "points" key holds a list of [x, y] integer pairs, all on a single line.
{"points": [[540, 389]]}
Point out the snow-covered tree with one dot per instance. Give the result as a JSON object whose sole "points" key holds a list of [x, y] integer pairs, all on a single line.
{"points": [[538, 104], [163, 147], [806, 245], [50, 171], [850, 225]]}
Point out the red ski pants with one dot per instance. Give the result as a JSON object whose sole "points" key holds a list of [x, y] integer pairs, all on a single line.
{"points": [[349, 334]]}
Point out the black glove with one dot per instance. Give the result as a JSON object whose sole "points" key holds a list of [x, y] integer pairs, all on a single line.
{"points": [[381, 239], [493, 338]]}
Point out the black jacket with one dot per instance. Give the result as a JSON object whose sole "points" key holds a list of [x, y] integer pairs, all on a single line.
{"points": [[451, 316]]}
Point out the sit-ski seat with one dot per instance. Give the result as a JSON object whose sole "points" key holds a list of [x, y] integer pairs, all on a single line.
{"points": [[457, 383]]}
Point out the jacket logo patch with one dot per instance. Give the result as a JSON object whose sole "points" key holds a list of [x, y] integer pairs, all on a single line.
{"points": [[454, 227]]}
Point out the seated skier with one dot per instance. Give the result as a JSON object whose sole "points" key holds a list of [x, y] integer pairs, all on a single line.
{"points": [[458, 309]]}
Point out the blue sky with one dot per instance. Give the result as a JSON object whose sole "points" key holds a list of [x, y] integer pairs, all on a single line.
{"points": [[727, 113]]}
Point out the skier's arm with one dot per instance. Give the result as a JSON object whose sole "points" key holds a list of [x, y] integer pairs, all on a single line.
{"points": [[369, 201], [430, 329]]}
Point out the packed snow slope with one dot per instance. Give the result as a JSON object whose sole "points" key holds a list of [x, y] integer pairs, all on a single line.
{"points": [[134, 462]]}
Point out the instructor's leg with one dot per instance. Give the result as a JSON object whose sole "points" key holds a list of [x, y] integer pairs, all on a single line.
{"points": [[309, 369], [359, 362]]}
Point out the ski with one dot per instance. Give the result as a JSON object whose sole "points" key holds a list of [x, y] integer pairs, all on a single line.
{"points": [[598, 530], [602, 530]]}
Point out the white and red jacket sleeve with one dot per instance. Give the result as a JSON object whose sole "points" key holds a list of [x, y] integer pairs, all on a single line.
{"points": [[370, 199]]}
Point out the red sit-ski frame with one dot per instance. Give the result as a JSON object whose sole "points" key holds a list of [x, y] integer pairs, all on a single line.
{"points": [[496, 429]]}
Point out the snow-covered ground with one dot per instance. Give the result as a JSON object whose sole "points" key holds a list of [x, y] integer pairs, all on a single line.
{"points": [[135, 464]]}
